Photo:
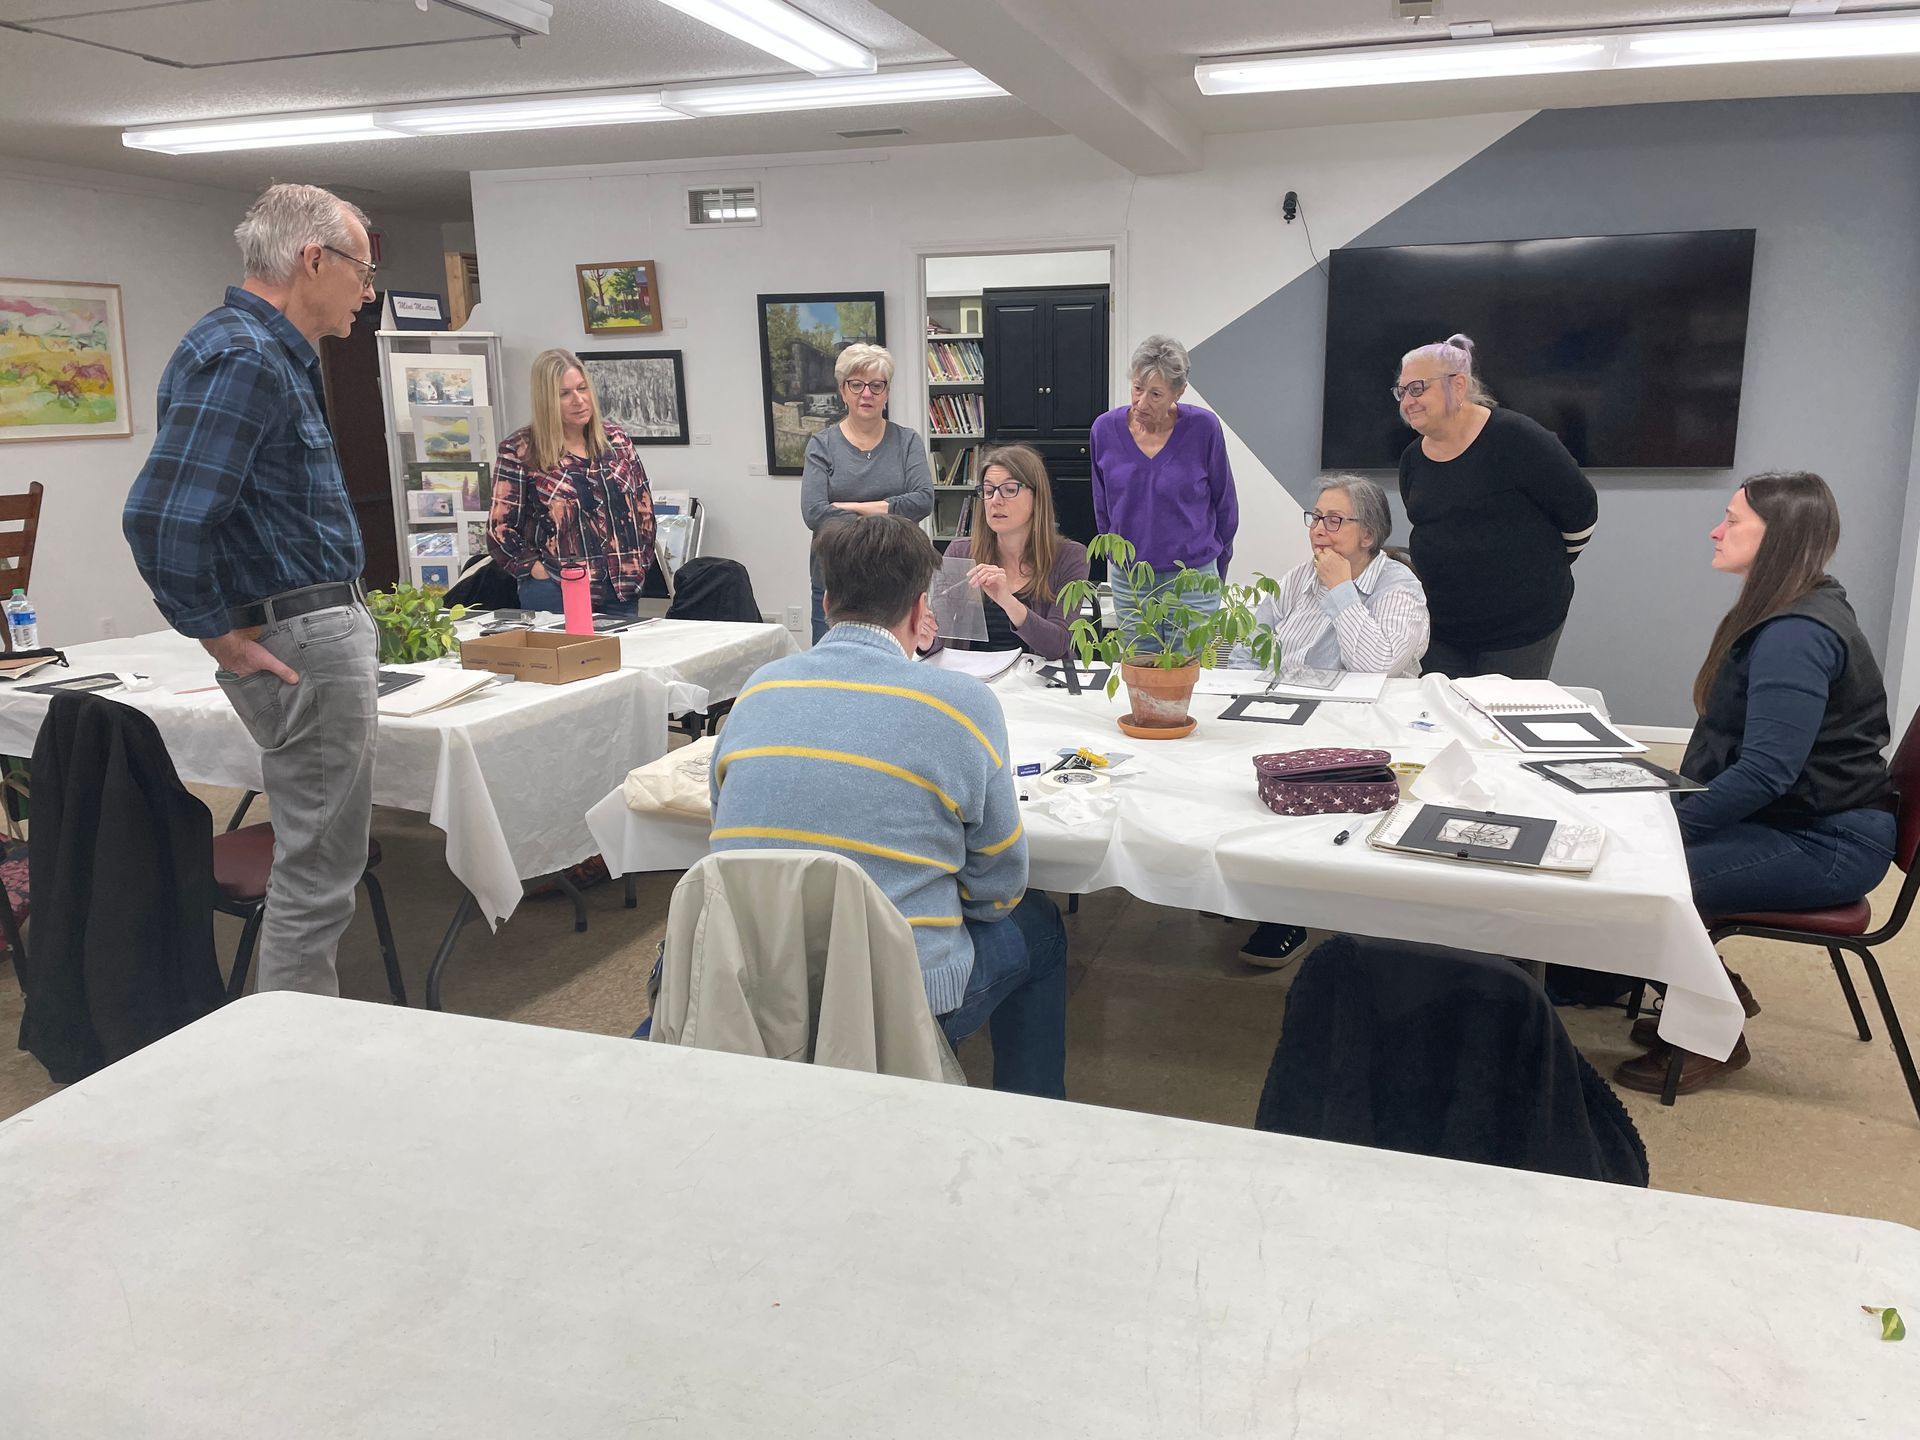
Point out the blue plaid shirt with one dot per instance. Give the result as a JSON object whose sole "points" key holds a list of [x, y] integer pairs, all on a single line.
{"points": [[242, 496]]}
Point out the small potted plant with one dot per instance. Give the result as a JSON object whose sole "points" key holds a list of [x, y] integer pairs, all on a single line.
{"points": [[412, 623], [1160, 678]]}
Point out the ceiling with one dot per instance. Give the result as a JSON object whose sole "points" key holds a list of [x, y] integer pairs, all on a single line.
{"points": [[1117, 73]]}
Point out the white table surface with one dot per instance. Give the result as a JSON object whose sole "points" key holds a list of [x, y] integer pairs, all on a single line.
{"points": [[1190, 832], [507, 775], [306, 1217]]}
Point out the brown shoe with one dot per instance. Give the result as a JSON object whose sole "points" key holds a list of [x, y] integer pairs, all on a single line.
{"points": [[1646, 1030], [1648, 1073]]}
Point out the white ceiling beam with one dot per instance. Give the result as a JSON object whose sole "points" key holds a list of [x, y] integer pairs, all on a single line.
{"points": [[1059, 67]]}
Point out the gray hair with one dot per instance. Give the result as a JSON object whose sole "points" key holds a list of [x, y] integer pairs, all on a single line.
{"points": [[284, 221], [859, 357], [1455, 355], [1164, 356], [1370, 509]]}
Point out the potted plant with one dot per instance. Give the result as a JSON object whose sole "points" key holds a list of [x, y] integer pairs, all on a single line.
{"points": [[412, 623], [1160, 678]]}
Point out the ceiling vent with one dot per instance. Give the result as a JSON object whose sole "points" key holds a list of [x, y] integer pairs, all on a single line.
{"points": [[883, 132], [712, 205]]}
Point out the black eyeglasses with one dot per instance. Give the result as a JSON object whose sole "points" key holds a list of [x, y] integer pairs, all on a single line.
{"points": [[871, 387], [367, 268], [1005, 490], [1417, 388], [1332, 522]]}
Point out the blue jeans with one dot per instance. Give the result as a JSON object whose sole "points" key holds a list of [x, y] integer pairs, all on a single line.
{"points": [[545, 595], [1127, 602], [820, 626], [1019, 980], [1831, 861]]}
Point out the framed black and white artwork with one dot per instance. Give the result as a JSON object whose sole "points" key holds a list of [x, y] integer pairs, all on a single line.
{"points": [[644, 392]]}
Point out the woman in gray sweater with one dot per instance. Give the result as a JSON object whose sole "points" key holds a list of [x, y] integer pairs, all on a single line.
{"points": [[865, 464]]}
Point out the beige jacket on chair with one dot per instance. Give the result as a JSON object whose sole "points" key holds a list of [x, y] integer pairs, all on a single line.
{"points": [[796, 955]]}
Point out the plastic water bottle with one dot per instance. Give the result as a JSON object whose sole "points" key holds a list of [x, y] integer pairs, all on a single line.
{"points": [[23, 626]]}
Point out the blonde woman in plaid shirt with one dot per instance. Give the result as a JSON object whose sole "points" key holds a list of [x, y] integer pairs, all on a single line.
{"points": [[570, 487]]}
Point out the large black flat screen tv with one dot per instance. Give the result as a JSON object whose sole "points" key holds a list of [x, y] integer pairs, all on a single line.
{"points": [[1628, 347]]}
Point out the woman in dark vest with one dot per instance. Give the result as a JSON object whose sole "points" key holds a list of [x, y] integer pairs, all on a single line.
{"points": [[1798, 810]]}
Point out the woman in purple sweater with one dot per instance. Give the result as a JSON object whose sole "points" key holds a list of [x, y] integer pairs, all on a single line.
{"points": [[1161, 479], [1021, 561]]}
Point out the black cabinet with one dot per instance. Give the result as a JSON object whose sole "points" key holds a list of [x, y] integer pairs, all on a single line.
{"points": [[1046, 364]]}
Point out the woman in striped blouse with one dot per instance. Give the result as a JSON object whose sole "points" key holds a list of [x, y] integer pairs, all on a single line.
{"points": [[1351, 607]]}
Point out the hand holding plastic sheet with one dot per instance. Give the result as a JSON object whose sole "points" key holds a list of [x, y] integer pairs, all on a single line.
{"points": [[1452, 778], [957, 606]]}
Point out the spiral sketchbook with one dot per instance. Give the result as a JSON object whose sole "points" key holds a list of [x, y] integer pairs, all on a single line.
{"points": [[1539, 717], [1497, 695], [1530, 842]]}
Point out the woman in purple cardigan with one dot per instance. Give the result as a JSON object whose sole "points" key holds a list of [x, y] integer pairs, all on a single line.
{"points": [[1161, 479], [1021, 561]]}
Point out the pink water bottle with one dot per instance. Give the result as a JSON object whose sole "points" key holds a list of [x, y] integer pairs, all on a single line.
{"points": [[576, 598]]}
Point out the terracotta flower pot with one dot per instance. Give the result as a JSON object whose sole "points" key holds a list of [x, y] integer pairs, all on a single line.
{"points": [[1159, 700]]}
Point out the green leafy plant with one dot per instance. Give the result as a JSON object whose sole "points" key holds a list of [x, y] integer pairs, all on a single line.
{"points": [[1197, 636], [412, 623]]}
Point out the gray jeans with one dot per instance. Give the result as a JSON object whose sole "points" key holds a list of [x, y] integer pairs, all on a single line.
{"points": [[1523, 662], [317, 740]]}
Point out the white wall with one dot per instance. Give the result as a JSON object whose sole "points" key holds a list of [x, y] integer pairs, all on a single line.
{"points": [[970, 274], [170, 249], [1192, 253], [172, 254]]}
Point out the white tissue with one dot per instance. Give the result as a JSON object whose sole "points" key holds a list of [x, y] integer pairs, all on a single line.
{"points": [[1450, 779]]}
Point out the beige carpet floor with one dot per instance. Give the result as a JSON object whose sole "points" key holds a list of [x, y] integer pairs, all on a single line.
{"points": [[1164, 1017]]}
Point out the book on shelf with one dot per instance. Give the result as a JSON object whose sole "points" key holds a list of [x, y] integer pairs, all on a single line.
{"points": [[955, 361]]}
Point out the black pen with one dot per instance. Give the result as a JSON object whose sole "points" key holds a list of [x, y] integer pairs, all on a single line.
{"points": [[1341, 838]]}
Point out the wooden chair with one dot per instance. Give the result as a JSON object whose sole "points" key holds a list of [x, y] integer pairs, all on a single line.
{"points": [[1846, 927], [16, 546]]}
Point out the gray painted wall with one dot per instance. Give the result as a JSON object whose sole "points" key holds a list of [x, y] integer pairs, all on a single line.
{"points": [[1832, 185]]}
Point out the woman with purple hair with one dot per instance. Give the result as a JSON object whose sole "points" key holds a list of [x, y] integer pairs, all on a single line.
{"points": [[1499, 512]]}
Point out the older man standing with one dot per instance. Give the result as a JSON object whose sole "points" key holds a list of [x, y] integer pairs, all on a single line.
{"points": [[240, 523]]}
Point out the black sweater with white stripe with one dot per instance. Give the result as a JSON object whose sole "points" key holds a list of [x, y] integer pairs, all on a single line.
{"points": [[1495, 531]]}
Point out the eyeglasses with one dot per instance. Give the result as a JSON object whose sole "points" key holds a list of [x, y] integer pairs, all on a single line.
{"points": [[1005, 490], [869, 387], [1417, 388], [367, 268], [1332, 522]]}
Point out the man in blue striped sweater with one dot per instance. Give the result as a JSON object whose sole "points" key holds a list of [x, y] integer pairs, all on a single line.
{"points": [[854, 746]]}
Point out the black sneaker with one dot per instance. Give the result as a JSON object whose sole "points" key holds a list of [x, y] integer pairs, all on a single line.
{"points": [[1273, 947]]}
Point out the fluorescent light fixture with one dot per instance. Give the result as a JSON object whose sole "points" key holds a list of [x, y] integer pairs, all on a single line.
{"points": [[259, 132], [783, 32], [893, 87], [1399, 64], [1833, 37], [554, 112], [529, 112], [1816, 37]]}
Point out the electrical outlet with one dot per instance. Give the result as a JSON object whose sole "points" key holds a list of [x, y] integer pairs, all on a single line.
{"points": [[107, 628], [796, 617]]}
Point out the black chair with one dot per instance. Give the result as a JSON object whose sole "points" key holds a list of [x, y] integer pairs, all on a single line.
{"points": [[1844, 927], [1442, 1052], [710, 587], [242, 866]]}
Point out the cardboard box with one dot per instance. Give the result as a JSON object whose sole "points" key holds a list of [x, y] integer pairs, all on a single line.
{"points": [[548, 656]]}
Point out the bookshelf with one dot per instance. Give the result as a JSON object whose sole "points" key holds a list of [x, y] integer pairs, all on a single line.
{"points": [[955, 407]]}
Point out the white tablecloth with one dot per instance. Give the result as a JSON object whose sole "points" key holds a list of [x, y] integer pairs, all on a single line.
{"points": [[1189, 831], [315, 1218], [507, 775]]}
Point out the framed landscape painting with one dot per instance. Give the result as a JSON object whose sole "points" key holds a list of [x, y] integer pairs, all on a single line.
{"points": [[63, 361], [644, 392], [800, 338], [620, 297]]}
